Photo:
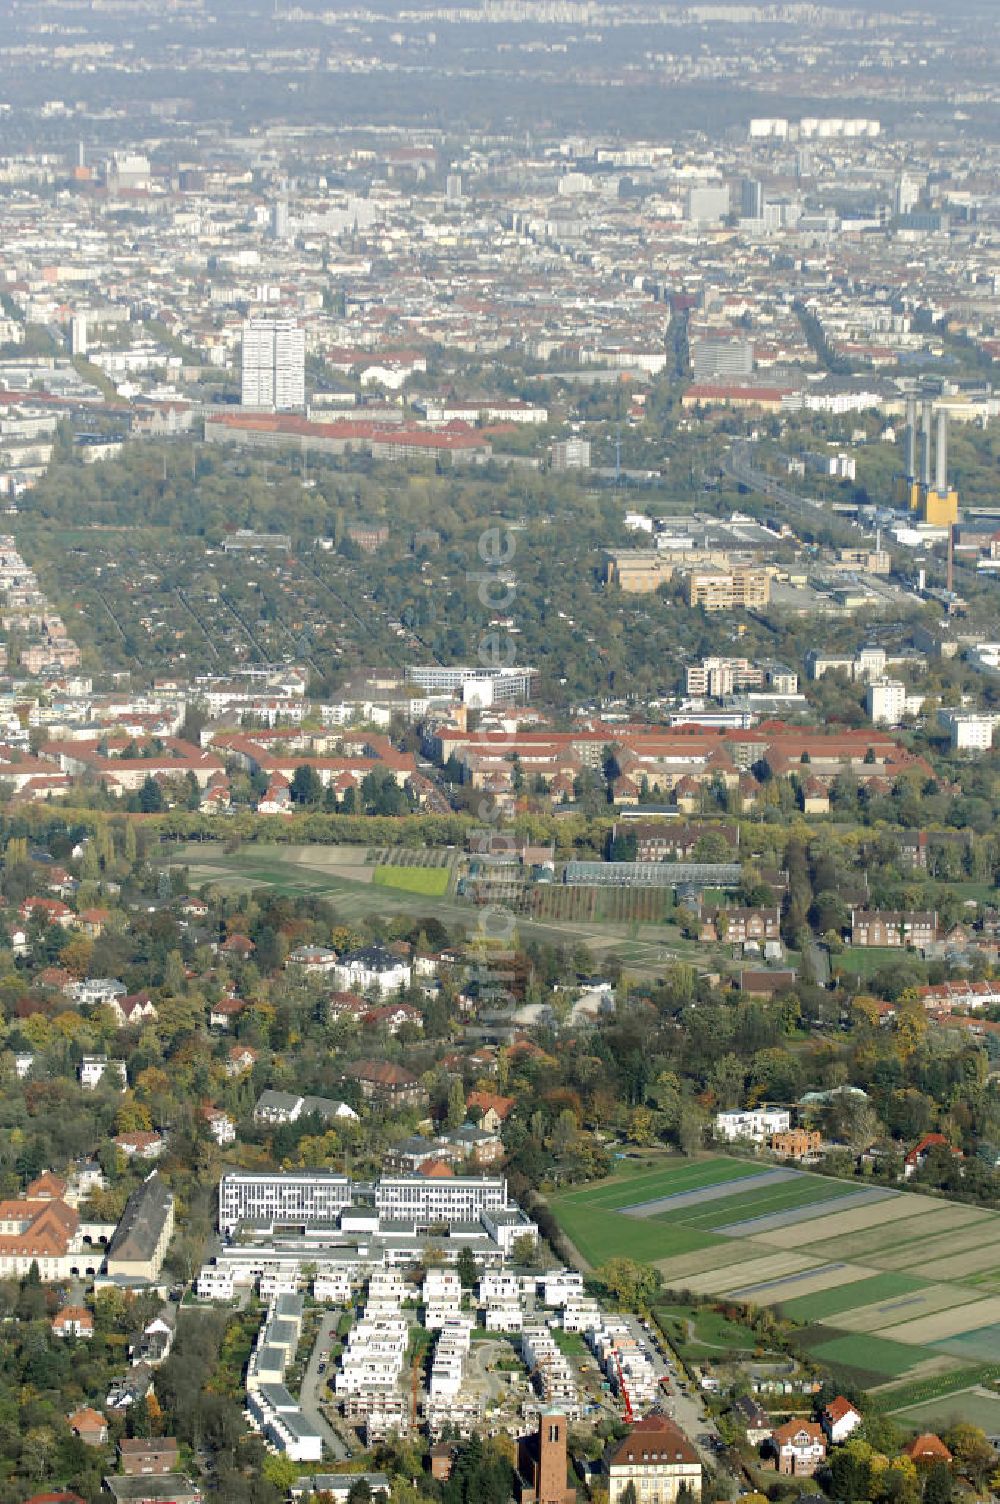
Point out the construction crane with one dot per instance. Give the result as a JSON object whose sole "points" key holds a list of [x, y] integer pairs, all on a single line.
{"points": [[623, 1389]]}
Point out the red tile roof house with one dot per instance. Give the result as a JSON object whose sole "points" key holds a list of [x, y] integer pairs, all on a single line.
{"points": [[494, 1110], [73, 1321], [241, 1058], [799, 1447], [51, 909], [140, 1145], [383, 1081], [237, 945], [89, 1425], [914, 1158], [838, 1419], [927, 1449], [222, 1013]]}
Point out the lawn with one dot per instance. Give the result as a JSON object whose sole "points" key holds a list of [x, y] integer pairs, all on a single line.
{"points": [[865, 961], [712, 1332], [430, 881], [849, 1297]]}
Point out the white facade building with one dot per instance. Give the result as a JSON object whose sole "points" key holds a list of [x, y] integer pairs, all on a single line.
{"points": [[967, 730], [755, 1123], [273, 365], [293, 1196], [885, 702]]}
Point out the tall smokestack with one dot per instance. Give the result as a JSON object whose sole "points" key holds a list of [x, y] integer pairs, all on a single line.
{"points": [[951, 561], [941, 482], [927, 445], [911, 439]]}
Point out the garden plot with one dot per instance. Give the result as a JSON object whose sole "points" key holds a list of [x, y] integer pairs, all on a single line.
{"points": [[755, 1227], [944, 1324], [905, 1307]]}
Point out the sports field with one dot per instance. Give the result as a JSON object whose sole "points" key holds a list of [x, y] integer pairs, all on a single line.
{"points": [[888, 1285]]}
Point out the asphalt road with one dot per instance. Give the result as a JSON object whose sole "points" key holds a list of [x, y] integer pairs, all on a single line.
{"points": [[688, 1410], [314, 1386]]}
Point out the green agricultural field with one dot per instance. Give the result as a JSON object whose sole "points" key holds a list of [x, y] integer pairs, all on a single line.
{"points": [[850, 1297], [973, 1406], [636, 1181], [893, 1398], [869, 1355], [981, 1342], [787, 1195], [430, 881], [599, 1238]]}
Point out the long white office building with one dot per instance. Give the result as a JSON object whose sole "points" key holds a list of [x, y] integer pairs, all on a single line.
{"points": [[505, 685], [303, 1198], [275, 1196], [459, 1198]]}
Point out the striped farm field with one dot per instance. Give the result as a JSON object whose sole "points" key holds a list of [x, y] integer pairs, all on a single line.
{"points": [[750, 1273], [944, 1324], [848, 1297], [599, 1238], [970, 1262], [633, 1185], [744, 1205], [950, 1246], [856, 1229], [891, 1287], [906, 1308], [676, 1271], [816, 1280]]}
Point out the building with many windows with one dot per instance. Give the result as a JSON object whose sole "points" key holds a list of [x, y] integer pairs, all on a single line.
{"points": [[273, 365], [726, 590], [269, 1196]]}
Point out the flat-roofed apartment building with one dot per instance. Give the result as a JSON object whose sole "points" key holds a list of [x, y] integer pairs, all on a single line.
{"points": [[726, 590]]}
